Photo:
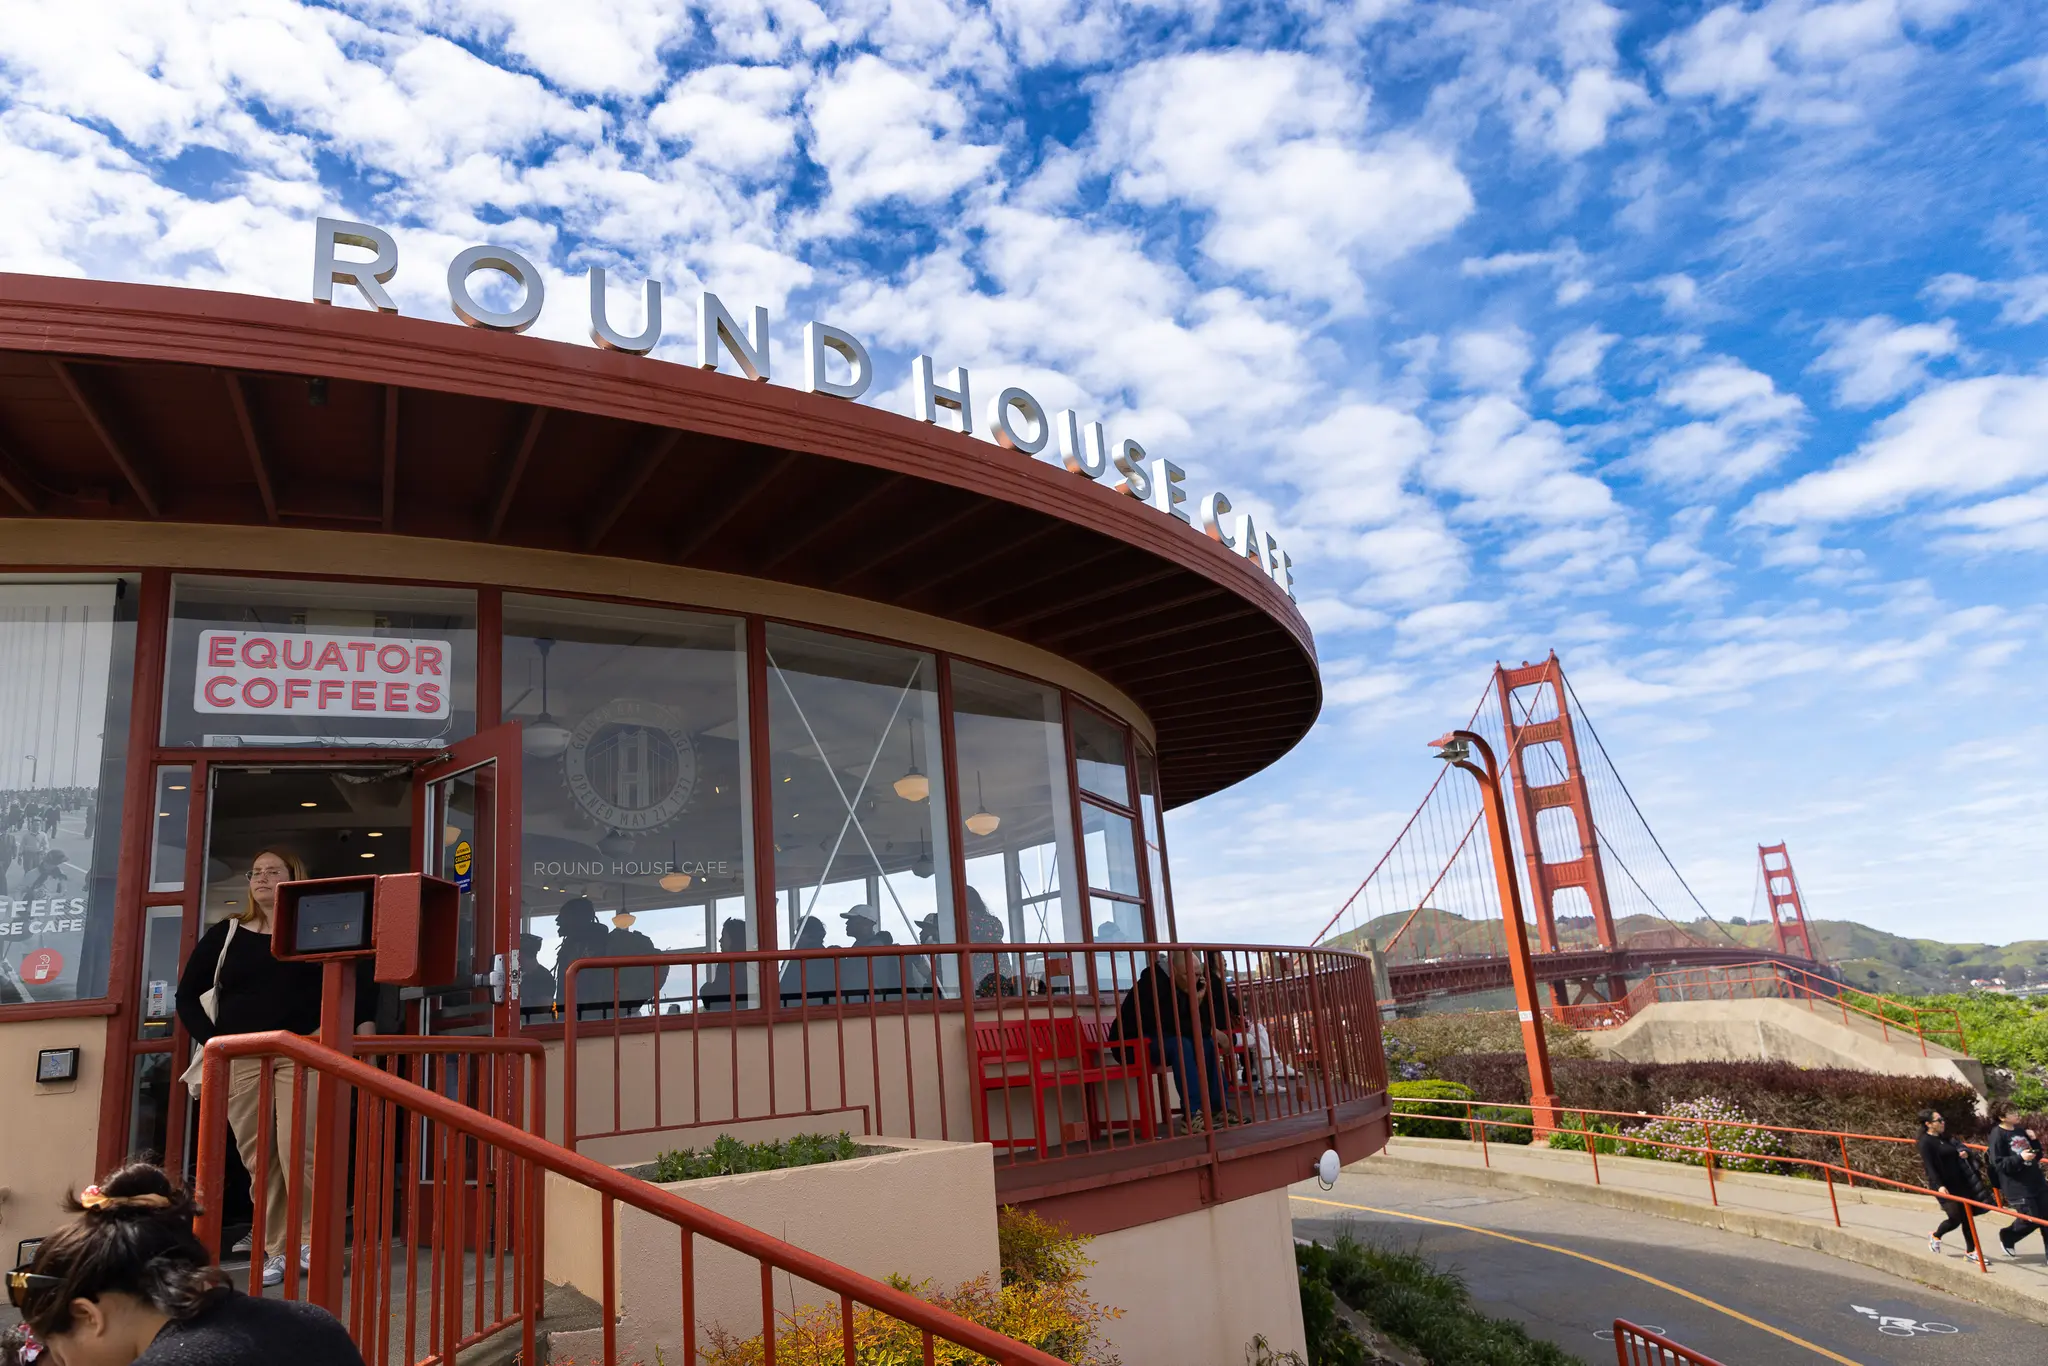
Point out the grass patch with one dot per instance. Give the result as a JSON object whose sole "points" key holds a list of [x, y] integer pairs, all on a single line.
{"points": [[1409, 1298], [727, 1156]]}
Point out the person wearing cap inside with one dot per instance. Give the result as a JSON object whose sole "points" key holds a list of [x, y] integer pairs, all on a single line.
{"points": [[882, 975]]}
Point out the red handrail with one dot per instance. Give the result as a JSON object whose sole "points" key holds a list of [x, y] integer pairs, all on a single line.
{"points": [[541, 1156], [1635, 1345], [1711, 1156]]}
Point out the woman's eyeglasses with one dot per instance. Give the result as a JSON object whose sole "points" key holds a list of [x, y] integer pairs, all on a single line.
{"points": [[24, 1286], [268, 875]]}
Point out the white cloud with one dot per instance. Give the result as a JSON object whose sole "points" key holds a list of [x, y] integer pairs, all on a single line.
{"points": [[1507, 467], [1575, 360], [1742, 426], [734, 118], [1272, 148], [1813, 62], [2021, 301], [881, 133], [1878, 359], [1969, 436], [1492, 361]]}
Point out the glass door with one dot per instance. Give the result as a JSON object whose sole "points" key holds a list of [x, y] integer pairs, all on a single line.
{"points": [[466, 814]]}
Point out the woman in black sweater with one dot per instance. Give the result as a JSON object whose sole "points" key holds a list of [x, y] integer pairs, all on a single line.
{"points": [[126, 1284], [254, 992]]}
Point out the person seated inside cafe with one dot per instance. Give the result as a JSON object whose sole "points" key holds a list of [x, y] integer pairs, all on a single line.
{"points": [[808, 980], [536, 983], [881, 975], [582, 937], [1168, 1008], [717, 992]]}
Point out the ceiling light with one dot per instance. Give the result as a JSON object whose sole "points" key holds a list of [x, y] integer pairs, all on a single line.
{"points": [[674, 882], [450, 834], [623, 920], [164, 815], [369, 855], [177, 787], [376, 834], [913, 786], [983, 821], [309, 803], [546, 737]]}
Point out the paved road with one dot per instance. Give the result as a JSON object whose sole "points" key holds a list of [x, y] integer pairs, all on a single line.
{"points": [[1750, 1286]]}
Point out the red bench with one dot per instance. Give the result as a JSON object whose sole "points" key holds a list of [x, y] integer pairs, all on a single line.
{"points": [[1045, 1055]]}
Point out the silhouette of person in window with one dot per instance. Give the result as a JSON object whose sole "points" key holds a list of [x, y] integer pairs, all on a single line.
{"points": [[718, 984], [582, 937], [984, 928], [883, 975], [808, 979], [536, 983]]}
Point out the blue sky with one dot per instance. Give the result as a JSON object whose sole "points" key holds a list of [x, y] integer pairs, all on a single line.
{"points": [[1701, 343]]}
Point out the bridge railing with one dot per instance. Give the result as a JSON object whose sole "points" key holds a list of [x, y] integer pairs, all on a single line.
{"points": [[1635, 1345], [1773, 980], [425, 1222], [1579, 1129], [1017, 1046]]}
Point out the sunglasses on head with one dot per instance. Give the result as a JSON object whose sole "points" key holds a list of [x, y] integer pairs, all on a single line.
{"points": [[24, 1286]]}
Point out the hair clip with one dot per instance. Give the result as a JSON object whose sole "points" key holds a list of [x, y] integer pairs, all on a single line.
{"points": [[92, 1198]]}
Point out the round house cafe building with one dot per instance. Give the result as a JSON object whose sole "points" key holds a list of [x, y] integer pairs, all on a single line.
{"points": [[851, 729]]}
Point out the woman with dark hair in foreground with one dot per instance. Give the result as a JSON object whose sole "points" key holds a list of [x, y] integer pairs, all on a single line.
{"points": [[127, 1282]]}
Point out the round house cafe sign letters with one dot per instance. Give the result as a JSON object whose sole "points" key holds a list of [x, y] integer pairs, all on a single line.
{"points": [[631, 765]]}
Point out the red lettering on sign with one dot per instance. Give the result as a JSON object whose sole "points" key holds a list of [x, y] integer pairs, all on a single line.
{"points": [[427, 660], [215, 697], [220, 652], [429, 699], [362, 649], [362, 697], [333, 653], [259, 692], [259, 652], [297, 690], [304, 662], [394, 696], [330, 691], [384, 654]]}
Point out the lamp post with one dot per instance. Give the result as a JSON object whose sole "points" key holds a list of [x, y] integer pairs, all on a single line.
{"points": [[1456, 749]]}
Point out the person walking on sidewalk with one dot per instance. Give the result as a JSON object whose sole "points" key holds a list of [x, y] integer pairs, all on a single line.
{"points": [[2015, 1155], [1952, 1177]]}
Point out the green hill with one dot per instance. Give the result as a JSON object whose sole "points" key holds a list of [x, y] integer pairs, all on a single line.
{"points": [[1874, 959]]}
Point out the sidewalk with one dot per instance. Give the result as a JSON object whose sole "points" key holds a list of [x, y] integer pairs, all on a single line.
{"points": [[1886, 1230]]}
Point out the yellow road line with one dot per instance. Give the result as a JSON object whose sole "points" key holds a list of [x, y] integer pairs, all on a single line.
{"points": [[1596, 1261]]}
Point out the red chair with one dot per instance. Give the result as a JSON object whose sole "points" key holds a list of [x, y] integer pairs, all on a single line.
{"points": [[1000, 1050], [1117, 1060]]}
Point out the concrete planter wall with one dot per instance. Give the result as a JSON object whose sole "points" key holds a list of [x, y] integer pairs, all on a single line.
{"points": [[925, 1210]]}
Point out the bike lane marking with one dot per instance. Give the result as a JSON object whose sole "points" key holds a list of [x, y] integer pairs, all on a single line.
{"points": [[1680, 1291]]}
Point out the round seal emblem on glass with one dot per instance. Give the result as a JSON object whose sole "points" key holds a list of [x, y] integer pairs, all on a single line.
{"points": [[631, 765]]}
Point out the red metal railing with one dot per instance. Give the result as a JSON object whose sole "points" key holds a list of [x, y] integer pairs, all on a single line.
{"points": [[884, 1041], [1638, 1346], [484, 1210], [1572, 1122], [1762, 980]]}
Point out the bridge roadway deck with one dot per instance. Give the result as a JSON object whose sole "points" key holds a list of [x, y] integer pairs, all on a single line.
{"points": [[1414, 981]]}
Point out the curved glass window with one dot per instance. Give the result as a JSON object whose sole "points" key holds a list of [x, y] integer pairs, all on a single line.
{"points": [[1010, 751], [636, 789], [860, 858]]}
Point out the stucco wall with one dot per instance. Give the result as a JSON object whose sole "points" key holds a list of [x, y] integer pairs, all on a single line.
{"points": [[1783, 1031], [1195, 1288], [927, 1211], [51, 1133]]}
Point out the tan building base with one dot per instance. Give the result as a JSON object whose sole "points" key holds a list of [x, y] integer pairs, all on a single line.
{"points": [[1196, 1288], [51, 1131], [1805, 1035]]}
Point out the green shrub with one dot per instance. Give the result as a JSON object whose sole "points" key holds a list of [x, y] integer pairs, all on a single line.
{"points": [[1422, 1041], [1415, 1097], [727, 1156], [1511, 1123]]}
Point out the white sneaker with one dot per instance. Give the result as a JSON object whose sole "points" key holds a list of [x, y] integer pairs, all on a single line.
{"points": [[1934, 1246], [243, 1245], [273, 1269], [2006, 1248], [306, 1258]]}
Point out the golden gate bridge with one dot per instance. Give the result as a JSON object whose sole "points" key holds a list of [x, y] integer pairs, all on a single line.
{"points": [[1605, 902]]}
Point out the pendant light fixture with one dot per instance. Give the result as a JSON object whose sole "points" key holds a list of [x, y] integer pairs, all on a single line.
{"points": [[675, 879], [913, 786], [983, 821], [922, 866], [546, 737]]}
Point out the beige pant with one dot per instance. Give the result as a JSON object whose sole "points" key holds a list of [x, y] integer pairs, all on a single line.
{"points": [[255, 1131]]}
